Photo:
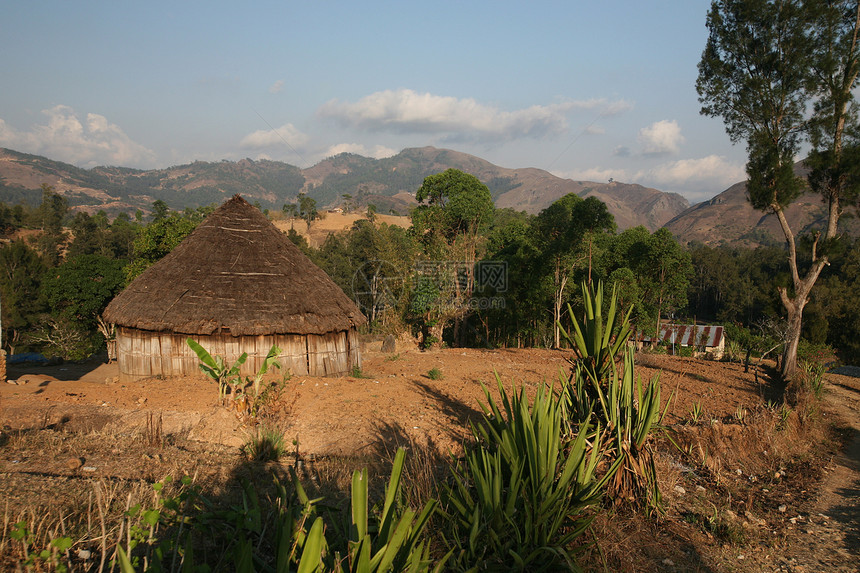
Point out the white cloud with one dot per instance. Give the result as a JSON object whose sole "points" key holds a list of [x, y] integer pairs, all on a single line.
{"points": [[376, 152], [65, 137], [697, 179], [276, 87], [661, 138], [263, 138], [406, 111], [617, 107]]}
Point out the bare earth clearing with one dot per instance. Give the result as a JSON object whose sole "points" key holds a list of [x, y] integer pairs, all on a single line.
{"points": [[803, 519]]}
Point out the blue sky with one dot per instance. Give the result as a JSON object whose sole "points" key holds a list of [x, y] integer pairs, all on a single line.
{"points": [[586, 90]]}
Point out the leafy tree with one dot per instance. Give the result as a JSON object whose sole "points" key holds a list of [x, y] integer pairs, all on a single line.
{"points": [[21, 271], [382, 258], [372, 265], [51, 213], [290, 210], [662, 271], [838, 301], [308, 209], [776, 72], [456, 204], [454, 208], [670, 271], [298, 240], [80, 289], [7, 220], [123, 231], [563, 228], [159, 210], [159, 238], [512, 240]]}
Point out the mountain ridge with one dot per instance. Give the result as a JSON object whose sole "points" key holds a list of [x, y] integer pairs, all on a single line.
{"points": [[390, 184], [729, 219]]}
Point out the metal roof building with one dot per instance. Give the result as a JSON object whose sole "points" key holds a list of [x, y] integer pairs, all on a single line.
{"points": [[705, 337]]}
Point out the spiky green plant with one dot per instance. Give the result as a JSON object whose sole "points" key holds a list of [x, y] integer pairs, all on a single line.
{"points": [[393, 540], [374, 541], [696, 413], [603, 381], [265, 444], [522, 494], [597, 342]]}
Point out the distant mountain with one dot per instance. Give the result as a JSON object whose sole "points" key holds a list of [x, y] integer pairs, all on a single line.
{"points": [[389, 184], [729, 219]]}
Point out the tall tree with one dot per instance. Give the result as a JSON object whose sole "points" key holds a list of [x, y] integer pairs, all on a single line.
{"points": [[566, 227], [21, 271], [779, 72], [454, 207], [158, 238], [307, 209], [81, 288], [653, 272], [51, 213]]}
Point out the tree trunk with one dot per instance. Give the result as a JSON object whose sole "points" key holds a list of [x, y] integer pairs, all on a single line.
{"points": [[792, 338], [802, 288], [558, 300]]}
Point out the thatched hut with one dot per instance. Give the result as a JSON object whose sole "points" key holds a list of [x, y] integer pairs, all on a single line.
{"points": [[236, 284]]}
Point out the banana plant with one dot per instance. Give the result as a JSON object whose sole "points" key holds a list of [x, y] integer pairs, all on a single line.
{"points": [[215, 367], [271, 360]]}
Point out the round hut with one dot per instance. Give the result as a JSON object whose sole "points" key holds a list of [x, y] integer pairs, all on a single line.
{"points": [[236, 284]]}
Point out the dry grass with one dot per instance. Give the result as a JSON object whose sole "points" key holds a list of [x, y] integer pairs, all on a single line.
{"points": [[90, 507], [95, 520]]}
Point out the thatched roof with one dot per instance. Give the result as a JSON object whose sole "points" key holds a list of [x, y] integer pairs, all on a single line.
{"points": [[237, 274]]}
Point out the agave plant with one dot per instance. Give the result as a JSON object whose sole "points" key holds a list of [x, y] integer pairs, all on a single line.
{"points": [[598, 342], [522, 495], [390, 540], [603, 381], [394, 542]]}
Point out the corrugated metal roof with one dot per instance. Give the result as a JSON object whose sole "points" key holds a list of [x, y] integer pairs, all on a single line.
{"points": [[689, 335]]}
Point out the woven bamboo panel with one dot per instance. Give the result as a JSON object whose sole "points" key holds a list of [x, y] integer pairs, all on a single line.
{"points": [[142, 353]]}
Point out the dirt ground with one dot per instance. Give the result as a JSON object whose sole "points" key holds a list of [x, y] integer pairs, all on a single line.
{"points": [[808, 524], [395, 401]]}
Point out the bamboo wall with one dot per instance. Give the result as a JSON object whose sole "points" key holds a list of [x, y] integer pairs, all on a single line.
{"points": [[142, 353]]}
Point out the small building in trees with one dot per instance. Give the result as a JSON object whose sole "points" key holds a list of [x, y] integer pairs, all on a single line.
{"points": [[702, 338], [235, 284]]}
